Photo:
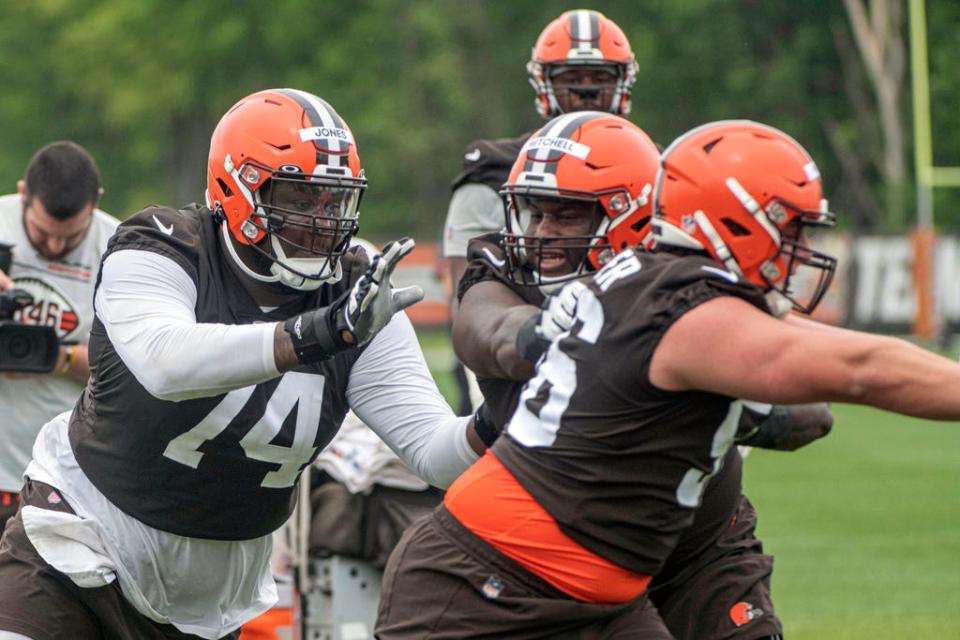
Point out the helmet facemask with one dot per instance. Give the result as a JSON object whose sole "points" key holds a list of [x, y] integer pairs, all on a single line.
{"points": [[601, 86], [797, 272], [307, 222], [549, 238]]}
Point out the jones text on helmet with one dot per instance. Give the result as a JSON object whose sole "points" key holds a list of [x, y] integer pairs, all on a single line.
{"points": [[330, 134]]}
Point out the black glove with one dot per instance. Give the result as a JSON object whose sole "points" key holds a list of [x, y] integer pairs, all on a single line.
{"points": [[485, 426], [530, 344], [358, 315], [784, 428]]}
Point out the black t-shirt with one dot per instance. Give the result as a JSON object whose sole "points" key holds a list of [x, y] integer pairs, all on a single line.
{"points": [[621, 449], [489, 161], [223, 467]]}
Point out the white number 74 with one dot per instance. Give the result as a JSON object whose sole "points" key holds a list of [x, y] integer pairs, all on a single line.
{"points": [[301, 390]]}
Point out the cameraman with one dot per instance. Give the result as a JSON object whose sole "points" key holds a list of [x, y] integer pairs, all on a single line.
{"points": [[57, 236]]}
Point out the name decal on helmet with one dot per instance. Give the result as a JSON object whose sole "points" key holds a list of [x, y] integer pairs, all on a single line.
{"points": [[331, 134], [563, 145]]}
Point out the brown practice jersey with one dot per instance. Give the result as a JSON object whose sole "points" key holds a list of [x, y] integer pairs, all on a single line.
{"points": [[620, 464], [221, 467], [489, 161]]}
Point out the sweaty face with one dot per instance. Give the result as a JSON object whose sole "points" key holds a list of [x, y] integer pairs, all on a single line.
{"points": [[309, 219], [584, 88], [557, 232], [51, 237]]}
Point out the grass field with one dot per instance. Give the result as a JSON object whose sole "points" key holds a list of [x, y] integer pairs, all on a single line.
{"points": [[865, 528], [865, 525]]}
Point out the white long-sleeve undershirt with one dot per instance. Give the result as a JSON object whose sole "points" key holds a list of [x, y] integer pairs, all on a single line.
{"points": [[146, 303]]}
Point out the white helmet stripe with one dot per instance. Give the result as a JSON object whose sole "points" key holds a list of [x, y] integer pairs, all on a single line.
{"points": [[584, 34], [326, 115], [560, 127]]}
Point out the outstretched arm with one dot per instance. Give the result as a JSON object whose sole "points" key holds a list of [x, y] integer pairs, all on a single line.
{"points": [[727, 346], [391, 391]]}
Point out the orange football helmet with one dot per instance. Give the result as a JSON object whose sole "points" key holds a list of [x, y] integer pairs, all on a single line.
{"points": [[284, 176], [580, 39], [743, 192], [587, 177]]}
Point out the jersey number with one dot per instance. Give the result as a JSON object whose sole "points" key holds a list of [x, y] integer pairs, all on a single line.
{"points": [[556, 380], [691, 486], [296, 390]]}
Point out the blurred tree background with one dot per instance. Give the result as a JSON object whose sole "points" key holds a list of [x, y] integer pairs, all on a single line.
{"points": [[142, 84]]}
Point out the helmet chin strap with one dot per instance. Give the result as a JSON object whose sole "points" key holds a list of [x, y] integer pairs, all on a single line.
{"points": [[780, 305], [278, 273], [286, 269], [549, 287], [228, 242]]}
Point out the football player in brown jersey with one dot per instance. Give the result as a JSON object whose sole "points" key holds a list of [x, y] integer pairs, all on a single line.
{"points": [[633, 408], [229, 341], [582, 60], [582, 191]]}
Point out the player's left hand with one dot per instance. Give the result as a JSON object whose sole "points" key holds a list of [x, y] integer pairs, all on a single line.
{"points": [[559, 310], [556, 316], [373, 300]]}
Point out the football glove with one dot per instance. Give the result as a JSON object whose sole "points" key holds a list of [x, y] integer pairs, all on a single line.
{"points": [[557, 313], [373, 300], [357, 316], [783, 428], [485, 425]]}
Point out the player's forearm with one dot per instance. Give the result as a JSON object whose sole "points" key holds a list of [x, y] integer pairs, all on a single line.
{"points": [[893, 374], [391, 391], [283, 352], [784, 428], [491, 349], [201, 360], [485, 331]]}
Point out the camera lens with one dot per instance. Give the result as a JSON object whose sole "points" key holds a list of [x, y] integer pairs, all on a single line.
{"points": [[27, 348], [19, 347]]}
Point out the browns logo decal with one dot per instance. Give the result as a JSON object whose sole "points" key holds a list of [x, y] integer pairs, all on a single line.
{"points": [[743, 612], [51, 307]]}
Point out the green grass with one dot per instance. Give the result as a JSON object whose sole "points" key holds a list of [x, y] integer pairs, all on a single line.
{"points": [[864, 525], [865, 528]]}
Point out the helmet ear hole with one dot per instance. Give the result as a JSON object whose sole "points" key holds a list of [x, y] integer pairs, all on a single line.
{"points": [[227, 191], [735, 227]]}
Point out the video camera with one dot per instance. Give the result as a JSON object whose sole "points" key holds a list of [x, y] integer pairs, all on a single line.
{"points": [[23, 348]]}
